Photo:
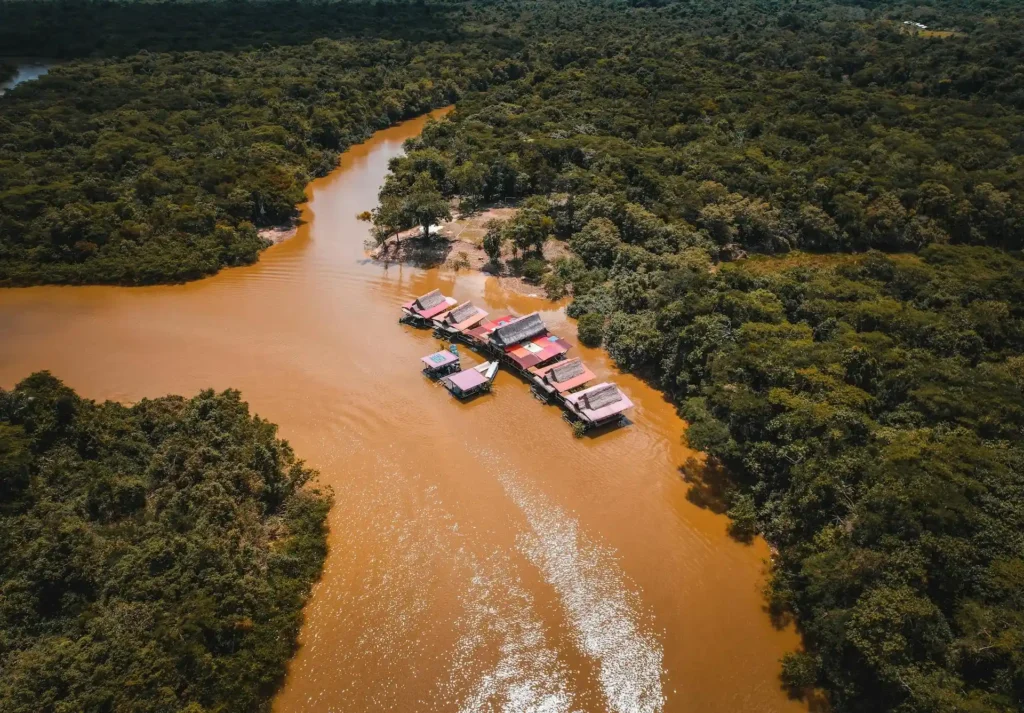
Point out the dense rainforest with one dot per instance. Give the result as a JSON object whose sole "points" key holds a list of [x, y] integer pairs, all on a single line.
{"points": [[801, 220], [160, 167], [155, 557], [859, 380]]}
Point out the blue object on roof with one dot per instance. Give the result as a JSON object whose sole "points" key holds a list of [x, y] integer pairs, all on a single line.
{"points": [[552, 338]]}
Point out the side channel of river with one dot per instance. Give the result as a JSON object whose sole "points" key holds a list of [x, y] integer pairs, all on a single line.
{"points": [[480, 557], [27, 71]]}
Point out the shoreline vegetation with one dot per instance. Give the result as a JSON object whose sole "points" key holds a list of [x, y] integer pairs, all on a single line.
{"points": [[460, 244], [165, 167], [156, 557], [857, 382]]}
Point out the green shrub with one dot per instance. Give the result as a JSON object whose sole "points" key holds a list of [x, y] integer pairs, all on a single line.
{"points": [[743, 514], [799, 671], [534, 269], [590, 329], [555, 286]]}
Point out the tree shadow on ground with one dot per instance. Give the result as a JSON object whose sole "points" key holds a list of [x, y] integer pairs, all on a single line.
{"points": [[418, 252]]}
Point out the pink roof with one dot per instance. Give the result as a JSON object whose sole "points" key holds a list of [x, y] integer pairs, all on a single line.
{"points": [[488, 327], [439, 359], [468, 379], [602, 413], [439, 309], [448, 303], [467, 323]]}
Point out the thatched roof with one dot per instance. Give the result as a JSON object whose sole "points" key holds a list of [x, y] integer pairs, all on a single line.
{"points": [[431, 299], [566, 370], [522, 329], [462, 312], [601, 396]]}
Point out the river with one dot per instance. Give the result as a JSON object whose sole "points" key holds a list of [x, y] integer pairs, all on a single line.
{"points": [[481, 558], [27, 71]]}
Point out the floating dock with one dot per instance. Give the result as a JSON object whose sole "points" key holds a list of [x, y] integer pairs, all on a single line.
{"points": [[523, 345], [441, 363], [471, 382]]}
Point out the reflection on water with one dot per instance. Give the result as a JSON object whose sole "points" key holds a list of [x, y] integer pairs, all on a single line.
{"points": [[600, 607], [27, 71], [481, 558]]}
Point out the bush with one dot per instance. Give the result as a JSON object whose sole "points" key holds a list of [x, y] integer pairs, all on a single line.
{"points": [[555, 286], [534, 269], [799, 671], [493, 240], [590, 329], [743, 514], [460, 261]]}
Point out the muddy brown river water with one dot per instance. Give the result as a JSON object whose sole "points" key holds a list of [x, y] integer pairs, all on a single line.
{"points": [[481, 559]]}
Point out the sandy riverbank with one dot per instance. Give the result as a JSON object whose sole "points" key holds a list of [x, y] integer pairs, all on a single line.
{"points": [[279, 233], [458, 244]]}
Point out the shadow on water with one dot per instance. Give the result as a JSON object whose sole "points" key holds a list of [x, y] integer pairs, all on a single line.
{"points": [[709, 485], [77, 28]]}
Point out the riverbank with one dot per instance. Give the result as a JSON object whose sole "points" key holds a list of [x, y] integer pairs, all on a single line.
{"points": [[279, 233], [458, 245], [246, 170], [465, 538]]}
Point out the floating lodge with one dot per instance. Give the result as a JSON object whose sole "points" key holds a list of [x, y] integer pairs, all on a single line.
{"points": [[522, 344]]}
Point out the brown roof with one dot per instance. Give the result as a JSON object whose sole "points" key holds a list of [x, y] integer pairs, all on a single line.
{"points": [[566, 370], [518, 331], [431, 299], [601, 396], [460, 313]]}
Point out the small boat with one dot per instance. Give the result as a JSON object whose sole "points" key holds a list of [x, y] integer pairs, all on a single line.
{"points": [[441, 363], [470, 382]]}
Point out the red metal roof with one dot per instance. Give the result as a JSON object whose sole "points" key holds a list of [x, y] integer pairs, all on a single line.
{"points": [[482, 330], [538, 350]]}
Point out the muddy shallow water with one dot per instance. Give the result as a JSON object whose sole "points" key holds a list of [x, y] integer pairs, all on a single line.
{"points": [[481, 559]]}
